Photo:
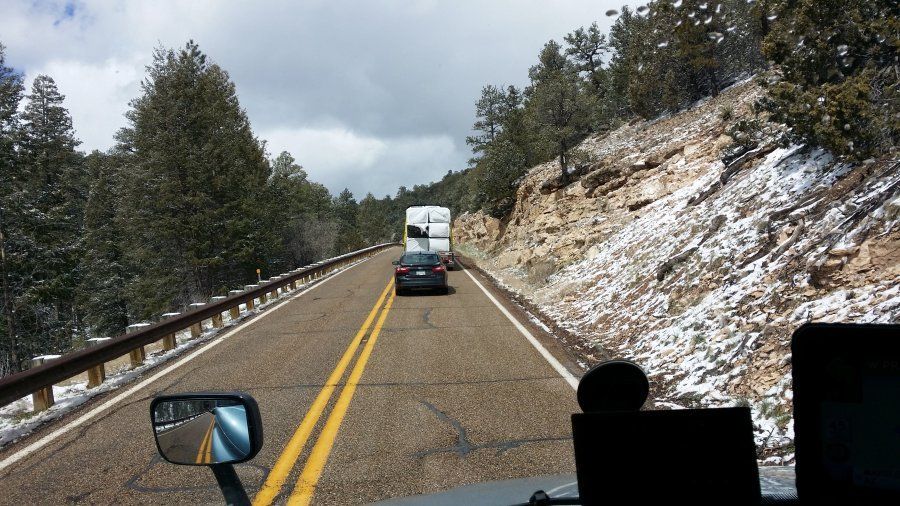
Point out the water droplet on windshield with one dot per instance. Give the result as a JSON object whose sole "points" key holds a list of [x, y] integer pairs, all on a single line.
{"points": [[707, 20], [826, 119], [842, 49], [731, 29], [664, 43], [677, 4], [612, 12], [703, 5], [846, 127], [642, 9], [772, 17]]}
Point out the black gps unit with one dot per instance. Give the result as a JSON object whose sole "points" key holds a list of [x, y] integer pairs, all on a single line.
{"points": [[847, 413]]}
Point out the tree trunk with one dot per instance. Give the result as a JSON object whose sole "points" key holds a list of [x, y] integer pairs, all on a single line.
{"points": [[563, 163]]}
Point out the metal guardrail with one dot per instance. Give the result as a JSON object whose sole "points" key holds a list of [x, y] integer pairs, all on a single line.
{"points": [[16, 386]]}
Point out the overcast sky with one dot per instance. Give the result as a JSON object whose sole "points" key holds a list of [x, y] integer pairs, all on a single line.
{"points": [[368, 95]]}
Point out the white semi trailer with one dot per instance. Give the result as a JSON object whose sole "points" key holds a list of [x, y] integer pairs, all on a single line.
{"points": [[427, 228]]}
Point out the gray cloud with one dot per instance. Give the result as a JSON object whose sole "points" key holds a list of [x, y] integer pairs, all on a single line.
{"points": [[367, 95]]}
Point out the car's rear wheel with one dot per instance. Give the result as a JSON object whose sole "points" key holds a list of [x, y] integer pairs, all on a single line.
{"points": [[398, 291]]}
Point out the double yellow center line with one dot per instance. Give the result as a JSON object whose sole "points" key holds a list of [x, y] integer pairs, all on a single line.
{"points": [[315, 464], [204, 452]]}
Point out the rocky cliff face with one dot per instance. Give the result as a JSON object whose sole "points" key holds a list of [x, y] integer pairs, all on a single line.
{"points": [[695, 246]]}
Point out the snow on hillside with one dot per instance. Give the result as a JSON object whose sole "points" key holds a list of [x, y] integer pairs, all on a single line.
{"points": [[700, 270]]}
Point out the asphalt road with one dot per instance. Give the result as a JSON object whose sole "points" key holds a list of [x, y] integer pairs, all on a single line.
{"points": [[363, 397], [189, 441]]}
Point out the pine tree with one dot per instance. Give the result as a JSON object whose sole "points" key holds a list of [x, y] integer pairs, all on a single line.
{"points": [[489, 113], [11, 90], [497, 176], [587, 47], [374, 226], [557, 105], [44, 245], [195, 185], [838, 60], [102, 293], [624, 43], [309, 231], [346, 212]]}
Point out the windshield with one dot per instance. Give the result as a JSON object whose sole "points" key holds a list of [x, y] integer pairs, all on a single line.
{"points": [[420, 259], [203, 196]]}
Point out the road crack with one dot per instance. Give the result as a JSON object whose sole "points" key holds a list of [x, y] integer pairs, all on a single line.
{"points": [[464, 446]]}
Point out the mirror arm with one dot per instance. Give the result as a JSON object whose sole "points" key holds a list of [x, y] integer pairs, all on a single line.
{"points": [[231, 485]]}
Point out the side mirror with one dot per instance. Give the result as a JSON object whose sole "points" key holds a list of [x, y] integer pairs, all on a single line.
{"points": [[395, 262], [201, 429]]}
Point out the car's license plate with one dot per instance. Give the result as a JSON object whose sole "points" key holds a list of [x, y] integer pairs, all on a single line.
{"points": [[421, 273]]}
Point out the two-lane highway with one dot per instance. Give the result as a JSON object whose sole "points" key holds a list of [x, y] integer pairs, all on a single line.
{"points": [[364, 396]]}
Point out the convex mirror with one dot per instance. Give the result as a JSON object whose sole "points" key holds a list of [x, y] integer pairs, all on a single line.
{"points": [[204, 429]]}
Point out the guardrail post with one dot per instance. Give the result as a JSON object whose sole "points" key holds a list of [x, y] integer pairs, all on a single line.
{"points": [[274, 293], [196, 328], [43, 398], [217, 318], [96, 374], [235, 312], [137, 355], [169, 342], [263, 297], [250, 303]]}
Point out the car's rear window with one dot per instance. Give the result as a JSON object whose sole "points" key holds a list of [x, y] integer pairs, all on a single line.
{"points": [[420, 259]]}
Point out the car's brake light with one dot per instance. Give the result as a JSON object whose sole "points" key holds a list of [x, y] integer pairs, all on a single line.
{"points": [[439, 268], [402, 270]]}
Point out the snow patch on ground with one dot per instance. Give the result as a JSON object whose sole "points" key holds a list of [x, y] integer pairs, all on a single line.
{"points": [[781, 243]]}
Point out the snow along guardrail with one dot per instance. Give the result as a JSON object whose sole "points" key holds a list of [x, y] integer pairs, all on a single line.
{"points": [[40, 379]]}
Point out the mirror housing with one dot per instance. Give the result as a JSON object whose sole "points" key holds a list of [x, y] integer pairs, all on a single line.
{"points": [[395, 262], [202, 429]]}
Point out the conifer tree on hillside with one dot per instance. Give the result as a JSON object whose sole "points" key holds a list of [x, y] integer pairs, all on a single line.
{"points": [[840, 83], [624, 43], [105, 273], [497, 176], [586, 47], [490, 110], [194, 184], [374, 225], [346, 212], [557, 105], [304, 215], [11, 90], [43, 246]]}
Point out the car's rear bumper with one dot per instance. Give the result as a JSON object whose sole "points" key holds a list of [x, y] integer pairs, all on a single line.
{"points": [[412, 282]]}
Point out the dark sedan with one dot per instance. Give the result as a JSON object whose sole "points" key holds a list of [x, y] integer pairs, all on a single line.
{"points": [[420, 270]]}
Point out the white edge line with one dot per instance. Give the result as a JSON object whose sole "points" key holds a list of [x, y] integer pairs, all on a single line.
{"points": [[49, 438], [561, 369]]}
